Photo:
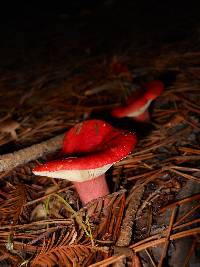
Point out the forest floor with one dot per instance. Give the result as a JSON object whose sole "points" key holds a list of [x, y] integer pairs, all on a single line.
{"points": [[60, 70]]}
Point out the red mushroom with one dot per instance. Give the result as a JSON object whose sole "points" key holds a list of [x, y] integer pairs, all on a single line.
{"points": [[137, 105], [91, 148]]}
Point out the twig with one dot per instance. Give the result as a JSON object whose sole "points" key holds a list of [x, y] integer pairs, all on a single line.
{"points": [[189, 150], [108, 261], [181, 159], [150, 257], [167, 237], [43, 222], [143, 175], [187, 176], [186, 224], [180, 202], [12, 160], [160, 235], [122, 251], [76, 215], [150, 198], [127, 225], [191, 108], [189, 254], [185, 168], [48, 195], [126, 228], [136, 261], [187, 214], [134, 159], [137, 248]]}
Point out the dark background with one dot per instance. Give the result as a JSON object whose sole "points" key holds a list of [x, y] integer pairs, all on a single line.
{"points": [[105, 25]]}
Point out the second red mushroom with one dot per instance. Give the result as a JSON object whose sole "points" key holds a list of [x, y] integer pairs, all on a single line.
{"points": [[137, 105]]}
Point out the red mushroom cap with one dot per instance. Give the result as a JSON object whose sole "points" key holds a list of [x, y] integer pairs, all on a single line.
{"points": [[153, 89], [92, 147], [86, 137], [137, 104]]}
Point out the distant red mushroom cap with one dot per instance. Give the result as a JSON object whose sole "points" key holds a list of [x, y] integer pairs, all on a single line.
{"points": [[153, 89], [137, 104], [90, 147]]}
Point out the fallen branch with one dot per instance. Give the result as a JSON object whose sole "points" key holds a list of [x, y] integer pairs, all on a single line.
{"points": [[127, 225], [12, 160], [126, 228]]}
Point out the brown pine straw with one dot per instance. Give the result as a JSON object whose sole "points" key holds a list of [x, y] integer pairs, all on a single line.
{"points": [[136, 261], [187, 214], [42, 222], [191, 108], [170, 139], [150, 257], [192, 124], [189, 254], [48, 195], [166, 245], [143, 181], [159, 236], [181, 159], [180, 202], [139, 247], [189, 150], [187, 176], [185, 168], [134, 159], [116, 259], [7, 255], [108, 261], [144, 175], [186, 224], [152, 196]]}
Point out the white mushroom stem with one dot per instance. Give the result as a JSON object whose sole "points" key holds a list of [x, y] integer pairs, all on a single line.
{"points": [[144, 117], [90, 184], [92, 189], [140, 110], [142, 114]]}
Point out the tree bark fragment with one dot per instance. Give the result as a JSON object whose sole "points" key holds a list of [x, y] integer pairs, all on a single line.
{"points": [[127, 224]]}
